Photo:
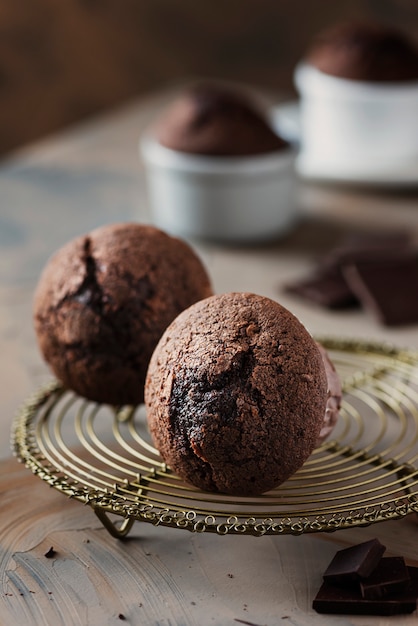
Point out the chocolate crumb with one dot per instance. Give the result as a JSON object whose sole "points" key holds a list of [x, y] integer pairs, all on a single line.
{"points": [[230, 576], [121, 616], [50, 554]]}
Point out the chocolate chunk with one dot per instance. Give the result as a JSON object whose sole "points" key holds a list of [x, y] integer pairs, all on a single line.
{"points": [[388, 289], [327, 288], [348, 600], [366, 248], [391, 575], [354, 563]]}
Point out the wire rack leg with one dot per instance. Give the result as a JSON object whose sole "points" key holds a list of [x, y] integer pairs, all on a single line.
{"points": [[119, 531]]}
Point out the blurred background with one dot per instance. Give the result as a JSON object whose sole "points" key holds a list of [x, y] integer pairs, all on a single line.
{"points": [[61, 62]]}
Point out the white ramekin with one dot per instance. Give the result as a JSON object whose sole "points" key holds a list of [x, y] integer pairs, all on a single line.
{"points": [[349, 126], [220, 198]]}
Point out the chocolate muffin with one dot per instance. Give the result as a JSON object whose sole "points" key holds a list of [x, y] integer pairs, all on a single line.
{"points": [[365, 52], [215, 121], [236, 393], [103, 302]]}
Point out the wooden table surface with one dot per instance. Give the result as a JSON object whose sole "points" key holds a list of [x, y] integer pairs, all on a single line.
{"points": [[65, 186]]}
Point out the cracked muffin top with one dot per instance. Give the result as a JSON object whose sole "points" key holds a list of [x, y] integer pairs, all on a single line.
{"points": [[104, 300], [216, 121], [236, 393], [365, 51]]}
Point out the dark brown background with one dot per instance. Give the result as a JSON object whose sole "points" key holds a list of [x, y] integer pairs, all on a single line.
{"points": [[63, 60]]}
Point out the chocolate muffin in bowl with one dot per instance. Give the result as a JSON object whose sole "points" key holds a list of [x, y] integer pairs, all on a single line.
{"points": [[236, 394], [212, 121], [216, 169], [358, 83], [365, 51], [103, 301]]}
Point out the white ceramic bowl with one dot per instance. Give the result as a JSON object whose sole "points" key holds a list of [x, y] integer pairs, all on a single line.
{"points": [[220, 198], [349, 126]]}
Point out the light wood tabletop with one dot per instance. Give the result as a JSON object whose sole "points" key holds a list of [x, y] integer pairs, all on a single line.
{"points": [[64, 186]]}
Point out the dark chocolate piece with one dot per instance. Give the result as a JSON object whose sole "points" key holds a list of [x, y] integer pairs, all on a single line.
{"points": [[349, 601], [367, 248], [390, 576], [328, 289], [354, 563], [388, 289]]}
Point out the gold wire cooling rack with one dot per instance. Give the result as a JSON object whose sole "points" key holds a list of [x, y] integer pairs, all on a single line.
{"points": [[367, 472]]}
